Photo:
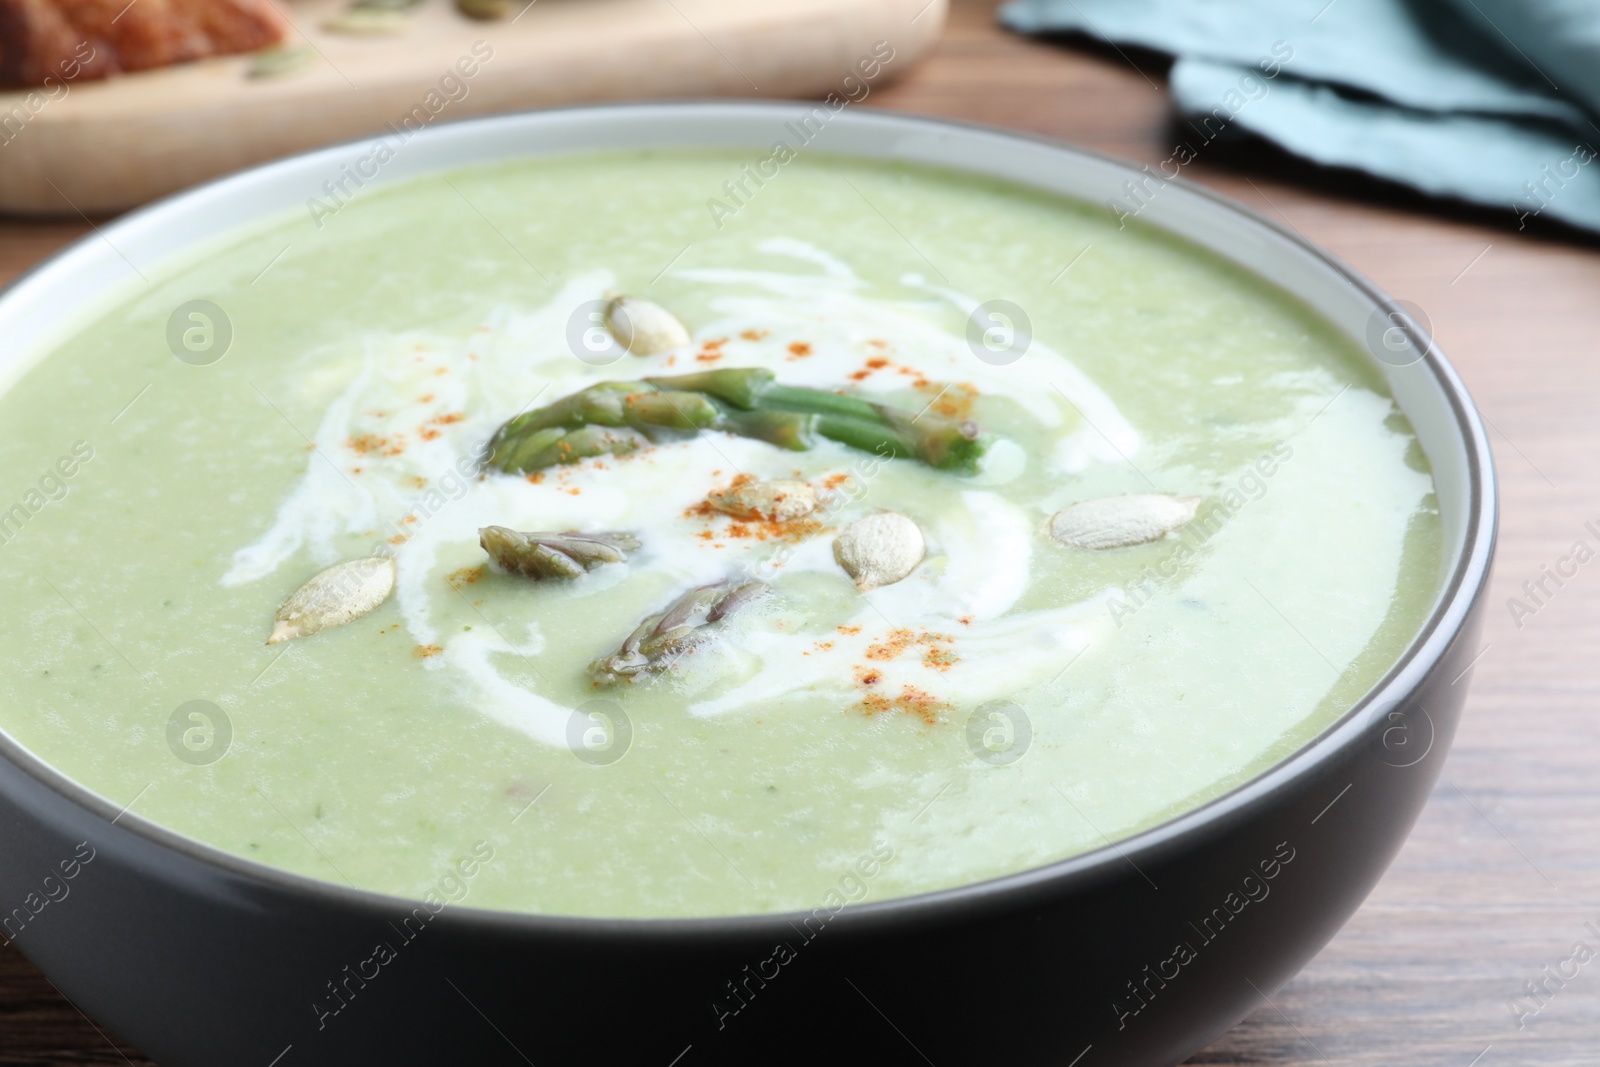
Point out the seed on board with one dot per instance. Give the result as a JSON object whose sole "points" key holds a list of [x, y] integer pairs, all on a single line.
{"points": [[775, 501], [484, 10], [644, 327], [880, 549], [1116, 521], [368, 20], [271, 62], [342, 593]]}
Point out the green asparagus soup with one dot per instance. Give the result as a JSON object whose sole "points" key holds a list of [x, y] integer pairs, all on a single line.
{"points": [[690, 553]]}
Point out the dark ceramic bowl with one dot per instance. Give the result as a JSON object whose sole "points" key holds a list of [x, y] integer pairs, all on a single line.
{"points": [[1135, 955]]}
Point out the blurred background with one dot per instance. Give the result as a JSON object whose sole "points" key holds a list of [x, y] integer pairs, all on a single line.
{"points": [[1444, 148]]}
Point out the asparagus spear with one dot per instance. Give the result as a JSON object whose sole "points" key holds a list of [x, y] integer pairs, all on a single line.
{"points": [[551, 446], [660, 638], [554, 555], [617, 417]]}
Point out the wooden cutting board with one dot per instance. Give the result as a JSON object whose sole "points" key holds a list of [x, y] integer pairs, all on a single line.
{"points": [[97, 147]]}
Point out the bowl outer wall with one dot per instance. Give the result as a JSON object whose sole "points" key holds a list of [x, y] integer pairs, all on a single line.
{"points": [[199, 957]]}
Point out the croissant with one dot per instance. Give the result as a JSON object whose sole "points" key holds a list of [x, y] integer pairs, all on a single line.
{"points": [[74, 40]]}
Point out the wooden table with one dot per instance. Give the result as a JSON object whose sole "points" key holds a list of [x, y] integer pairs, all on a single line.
{"points": [[1502, 872]]}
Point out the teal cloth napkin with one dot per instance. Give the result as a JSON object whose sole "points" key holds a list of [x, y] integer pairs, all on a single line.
{"points": [[1488, 101]]}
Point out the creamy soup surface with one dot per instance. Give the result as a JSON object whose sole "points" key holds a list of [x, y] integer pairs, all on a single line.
{"points": [[1012, 701]]}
